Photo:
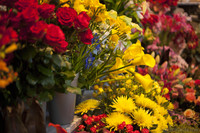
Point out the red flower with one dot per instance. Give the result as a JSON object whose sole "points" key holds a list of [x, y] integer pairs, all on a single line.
{"points": [[46, 10], [80, 127], [39, 29], [82, 21], [86, 36], [30, 15], [66, 16], [89, 121], [93, 129], [121, 126], [59, 129], [8, 3], [197, 82], [62, 47], [145, 130], [190, 96], [54, 35], [23, 4], [129, 127], [85, 116], [7, 36]]}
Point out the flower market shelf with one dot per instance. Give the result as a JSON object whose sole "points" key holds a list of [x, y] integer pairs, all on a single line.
{"points": [[69, 127]]}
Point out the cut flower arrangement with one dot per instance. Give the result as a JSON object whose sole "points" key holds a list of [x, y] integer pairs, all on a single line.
{"points": [[126, 101], [43, 44]]}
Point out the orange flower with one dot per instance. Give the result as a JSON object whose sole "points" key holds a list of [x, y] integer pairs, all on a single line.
{"points": [[189, 113], [190, 96], [197, 101], [191, 84], [3, 66], [190, 90]]}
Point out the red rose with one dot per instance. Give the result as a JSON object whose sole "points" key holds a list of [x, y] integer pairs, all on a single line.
{"points": [[30, 15], [82, 21], [46, 10], [62, 47], [7, 36], [22, 4], [66, 16], [86, 36], [54, 35], [38, 29]]}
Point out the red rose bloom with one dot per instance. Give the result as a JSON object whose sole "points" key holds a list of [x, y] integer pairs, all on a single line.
{"points": [[23, 4], [66, 16], [7, 36], [38, 29], [62, 47], [86, 36], [46, 10], [54, 35], [82, 21], [30, 15]]}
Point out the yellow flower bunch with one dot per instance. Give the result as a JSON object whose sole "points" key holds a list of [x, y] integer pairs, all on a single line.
{"points": [[125, 95]]}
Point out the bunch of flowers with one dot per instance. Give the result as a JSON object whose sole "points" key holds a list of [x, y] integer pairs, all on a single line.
{"points": [[132, 102], [176, 28], [182, 92], [162, 5]]}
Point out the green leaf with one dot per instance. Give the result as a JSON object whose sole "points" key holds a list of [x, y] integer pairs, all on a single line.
{"points": [[47, 81], [69, 74], [31, 79], [44, 70], [57, 59], [28, 53], [74, 90]]}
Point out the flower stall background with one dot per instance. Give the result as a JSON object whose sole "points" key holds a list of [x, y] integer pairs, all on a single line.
{"points": [[140, 59]]}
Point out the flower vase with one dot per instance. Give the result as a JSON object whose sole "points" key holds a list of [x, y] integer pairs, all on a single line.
{"points": [[61, 108]]}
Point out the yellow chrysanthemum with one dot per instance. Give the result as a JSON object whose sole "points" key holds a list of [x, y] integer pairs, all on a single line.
{"points": [[116, 118], [160, 110], [143, 118], [123, 104], [145, 102], [162, 123], [87, 105], [161, 99]]}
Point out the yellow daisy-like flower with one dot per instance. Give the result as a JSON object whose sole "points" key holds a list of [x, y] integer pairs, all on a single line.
{"points": [[160, 110], [145, 102], [116, 118], [87, 105], [123, 104], [142, 118], [160, 99]]}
